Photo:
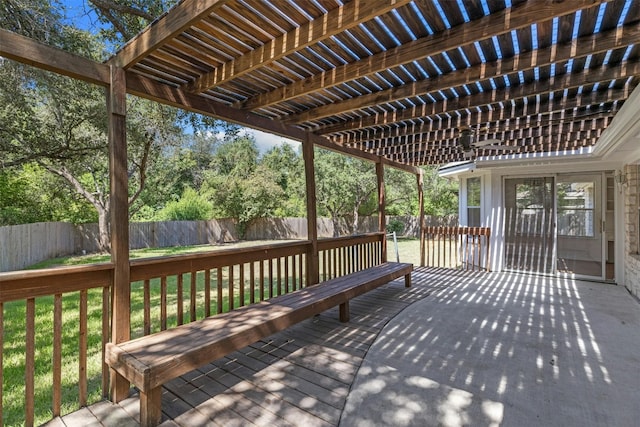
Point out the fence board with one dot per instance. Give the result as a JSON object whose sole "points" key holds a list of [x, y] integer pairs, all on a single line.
{"points": [[27, 244]]}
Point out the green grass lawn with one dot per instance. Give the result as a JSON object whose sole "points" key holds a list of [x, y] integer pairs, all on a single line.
{"points": [[15, 325]]}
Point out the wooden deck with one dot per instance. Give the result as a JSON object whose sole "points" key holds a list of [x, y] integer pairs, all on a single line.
{"points": [[301, 376]]}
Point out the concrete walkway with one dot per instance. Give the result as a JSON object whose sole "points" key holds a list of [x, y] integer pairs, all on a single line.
{"points": [[505, 349]]}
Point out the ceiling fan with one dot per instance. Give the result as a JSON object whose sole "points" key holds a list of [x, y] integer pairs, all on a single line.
{"points": [[470, 144]]}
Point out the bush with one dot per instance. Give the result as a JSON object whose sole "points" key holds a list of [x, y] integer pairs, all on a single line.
{"points": [[190, 207], [395, 225]]}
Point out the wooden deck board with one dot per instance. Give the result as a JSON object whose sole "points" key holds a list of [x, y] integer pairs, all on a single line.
{"points": [[300, 376]]}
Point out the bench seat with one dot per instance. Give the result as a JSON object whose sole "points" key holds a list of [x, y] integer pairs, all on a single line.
{"points": [[151, 361]]}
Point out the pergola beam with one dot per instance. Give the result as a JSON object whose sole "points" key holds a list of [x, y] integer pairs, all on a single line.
{"points": [[31, 52], [587, 45], [504, 131], [605, 73], [495, 24], [531, 114], [176, 20], [146, 88], [333, 22]]}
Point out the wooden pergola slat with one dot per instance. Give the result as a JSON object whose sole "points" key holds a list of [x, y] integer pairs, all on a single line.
{"points": [[582, 47], [182, 16], [496, 24], [334, 21], [513, 93]]}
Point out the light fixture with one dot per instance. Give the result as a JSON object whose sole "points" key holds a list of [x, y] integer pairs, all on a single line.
{"points": [[620, 178]]}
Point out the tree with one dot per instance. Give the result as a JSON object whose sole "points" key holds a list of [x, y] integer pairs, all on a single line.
{"points": [[344, 186], [288, 169], [239, 187]]}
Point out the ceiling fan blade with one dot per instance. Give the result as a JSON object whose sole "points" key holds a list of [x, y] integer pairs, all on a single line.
{"points": [[487, 142]]}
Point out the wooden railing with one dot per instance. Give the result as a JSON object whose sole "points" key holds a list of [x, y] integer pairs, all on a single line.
{"points": [[62, 315], [54, 325], [344, 255], [464, 248], [170, 291]]}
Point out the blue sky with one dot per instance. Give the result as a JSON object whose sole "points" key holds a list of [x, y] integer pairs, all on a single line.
{"points": [[79, 14]]}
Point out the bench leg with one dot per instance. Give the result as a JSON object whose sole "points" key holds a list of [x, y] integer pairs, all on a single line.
{"points": [[119, 386], [344, 312], [407, 280], [151, 407]]}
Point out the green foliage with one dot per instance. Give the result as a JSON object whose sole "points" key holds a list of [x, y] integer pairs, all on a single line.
{"points": [[190, 207], [241, 187], [395, 226], [440, 194]]}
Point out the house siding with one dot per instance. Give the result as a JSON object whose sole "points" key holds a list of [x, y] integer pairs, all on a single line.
{"points": [[631, 258]]}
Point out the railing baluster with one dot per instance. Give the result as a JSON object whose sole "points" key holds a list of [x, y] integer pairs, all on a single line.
{"points": [[286, 275], [147, 307], [163, 303], [105, 338], [219, 289], [30, 348], [180, 299], [57, 355], [230, 287], [270, 261], [301, 260], [241, 285], [192, 296], [279, 273], [82, 362], [262, 280], [293, 272], [207, 293], [252, 282]]}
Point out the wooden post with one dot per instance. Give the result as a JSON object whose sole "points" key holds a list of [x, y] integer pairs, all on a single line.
{"points": [[381, 208], [119, 215], [313, 259], [420, 177]]}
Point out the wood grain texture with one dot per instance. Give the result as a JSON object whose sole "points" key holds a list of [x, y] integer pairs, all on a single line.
{"points": [[491, 25], [334, 21], [23, 49], [156, 35], [152, 360]]}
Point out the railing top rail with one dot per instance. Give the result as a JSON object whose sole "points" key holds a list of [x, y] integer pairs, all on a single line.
{"points": [[23, 284], [218, 252], [147, 268], [337, 242], [450, 230]]}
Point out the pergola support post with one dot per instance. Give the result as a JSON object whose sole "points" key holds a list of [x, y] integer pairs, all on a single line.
{"points": [[382, 219], [313, 259], [420, 177], [119, 222]]}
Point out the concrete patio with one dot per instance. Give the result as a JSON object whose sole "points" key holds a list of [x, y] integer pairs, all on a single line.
{"points": [[505, 349], [456, 349]]}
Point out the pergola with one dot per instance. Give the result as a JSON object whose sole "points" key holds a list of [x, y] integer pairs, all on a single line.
{"points": [[390, 81]]}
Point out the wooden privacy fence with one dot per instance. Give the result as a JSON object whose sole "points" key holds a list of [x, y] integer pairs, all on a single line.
{"points": [[54, 323], [27, 244], [464, 248]]}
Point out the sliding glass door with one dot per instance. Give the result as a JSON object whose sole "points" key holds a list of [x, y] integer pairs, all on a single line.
{"points": [[579, 231], [529, 225], [555, 224]]}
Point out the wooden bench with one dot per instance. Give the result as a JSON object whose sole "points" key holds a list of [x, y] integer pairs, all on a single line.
{"points": [[150, 361]]}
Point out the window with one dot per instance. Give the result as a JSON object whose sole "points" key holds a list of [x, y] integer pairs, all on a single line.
{"points": [[473, 202], [576, 203]]}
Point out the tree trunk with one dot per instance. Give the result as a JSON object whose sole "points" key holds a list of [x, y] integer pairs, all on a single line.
{"points": [[103, 230], [354, 223], [336, 225]]}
